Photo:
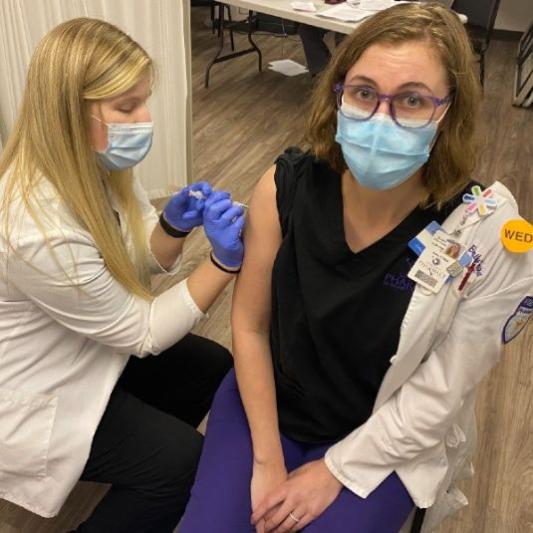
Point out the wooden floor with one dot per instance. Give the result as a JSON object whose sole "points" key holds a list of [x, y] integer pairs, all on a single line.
{"points": [[241, 123]]}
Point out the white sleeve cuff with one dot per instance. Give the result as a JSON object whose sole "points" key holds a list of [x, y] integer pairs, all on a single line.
{"points": [[369, 476], [173, 314]]}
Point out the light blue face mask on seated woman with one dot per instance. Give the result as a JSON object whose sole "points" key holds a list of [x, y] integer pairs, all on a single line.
{"points": [[379, 153], [127, 144]]}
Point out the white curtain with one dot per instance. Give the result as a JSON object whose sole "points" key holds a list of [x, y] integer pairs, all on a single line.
{"points": [[158, 25]]}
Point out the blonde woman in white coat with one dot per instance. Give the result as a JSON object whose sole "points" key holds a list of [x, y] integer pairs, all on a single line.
{"points": [[78, 242]]}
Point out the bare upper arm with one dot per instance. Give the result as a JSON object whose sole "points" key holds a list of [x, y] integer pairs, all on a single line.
{"points": [[262, 238]]}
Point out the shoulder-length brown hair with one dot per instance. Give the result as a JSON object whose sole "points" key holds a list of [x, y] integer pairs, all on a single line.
{"points": [[453, 157]]}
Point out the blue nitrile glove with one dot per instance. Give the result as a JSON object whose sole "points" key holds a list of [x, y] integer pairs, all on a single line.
{"points": [[223, 223], [183, 211]]}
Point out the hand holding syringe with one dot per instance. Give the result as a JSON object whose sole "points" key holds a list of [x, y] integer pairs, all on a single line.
{"points": [[222, 218], [185, 209]]}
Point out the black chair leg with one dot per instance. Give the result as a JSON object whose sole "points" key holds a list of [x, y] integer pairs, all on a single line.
{"points": [[482, 69], [231, 31], [418, 520]]}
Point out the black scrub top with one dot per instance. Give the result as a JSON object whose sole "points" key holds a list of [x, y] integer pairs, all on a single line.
{"points": [[336, 314]]}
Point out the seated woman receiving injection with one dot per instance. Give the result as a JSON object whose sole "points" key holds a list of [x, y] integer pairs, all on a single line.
{"points": [[358, 340]]}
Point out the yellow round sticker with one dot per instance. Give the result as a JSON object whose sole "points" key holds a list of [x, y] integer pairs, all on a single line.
{"points": [[517, 236]]}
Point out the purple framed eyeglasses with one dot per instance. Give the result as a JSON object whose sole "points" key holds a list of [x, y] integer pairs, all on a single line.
{"points": [[408, 109]]}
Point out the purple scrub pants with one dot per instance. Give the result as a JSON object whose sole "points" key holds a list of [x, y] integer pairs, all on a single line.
{"points": [[220, 498]]}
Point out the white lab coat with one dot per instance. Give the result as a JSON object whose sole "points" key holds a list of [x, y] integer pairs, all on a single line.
{"points": [[423, 425], [63, 348]]}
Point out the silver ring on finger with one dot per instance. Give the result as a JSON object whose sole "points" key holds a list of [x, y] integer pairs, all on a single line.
{"points": [[294, 518]]}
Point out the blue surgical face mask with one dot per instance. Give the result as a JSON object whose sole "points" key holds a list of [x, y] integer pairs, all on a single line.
{"points": [[127, 144], [379, 153]]}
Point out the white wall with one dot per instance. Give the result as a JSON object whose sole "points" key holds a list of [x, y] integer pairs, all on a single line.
{"points": [[514, 15], [188, 103], [159, 26]]}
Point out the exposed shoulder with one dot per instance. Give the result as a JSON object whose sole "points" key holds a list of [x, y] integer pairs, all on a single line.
{"points": [[266, 187], [263, 211]]}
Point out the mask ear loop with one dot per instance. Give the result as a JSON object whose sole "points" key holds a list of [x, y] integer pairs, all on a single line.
{"points": [[106, 132], [99, 120], [439, 131]]}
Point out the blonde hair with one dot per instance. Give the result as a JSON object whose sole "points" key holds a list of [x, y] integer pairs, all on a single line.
{"points": [[453, 157], [78, 62]]}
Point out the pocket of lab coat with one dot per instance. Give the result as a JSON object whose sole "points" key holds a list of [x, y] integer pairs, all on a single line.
{"points": [[26, 422]]}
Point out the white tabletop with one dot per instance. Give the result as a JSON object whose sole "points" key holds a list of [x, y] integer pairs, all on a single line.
{"points": [[283, 9]]}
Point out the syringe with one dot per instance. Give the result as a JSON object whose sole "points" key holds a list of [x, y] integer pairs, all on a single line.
{"points": [[199, 195]]}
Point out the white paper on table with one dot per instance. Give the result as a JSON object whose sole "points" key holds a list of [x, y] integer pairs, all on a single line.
{"points": [[288, 67], [376, 5], [304, 6], [344, 12]]}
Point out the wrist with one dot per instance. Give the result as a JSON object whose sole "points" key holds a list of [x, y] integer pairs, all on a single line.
{"points": [[268, 461], [229, 269], [329, 475], [171, 230], [269, 454]]}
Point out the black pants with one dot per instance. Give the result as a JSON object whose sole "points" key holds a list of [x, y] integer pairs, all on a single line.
{"points": [[317, 53], [146, 445]]}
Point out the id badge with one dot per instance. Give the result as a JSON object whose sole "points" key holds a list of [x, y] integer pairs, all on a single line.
{"points": [[441, 258]]}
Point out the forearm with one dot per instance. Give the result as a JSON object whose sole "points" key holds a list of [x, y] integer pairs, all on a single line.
{"points": [[251, 323], [206, 282], [255, 377], [165, 248]]}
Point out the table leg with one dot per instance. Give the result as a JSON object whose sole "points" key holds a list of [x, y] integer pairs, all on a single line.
{"points": [[218, 58], [220, 43], [250, 40]]}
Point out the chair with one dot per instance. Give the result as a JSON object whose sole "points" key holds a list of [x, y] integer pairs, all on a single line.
{"points": [[418, 520], [481, 17], [215, 22]]}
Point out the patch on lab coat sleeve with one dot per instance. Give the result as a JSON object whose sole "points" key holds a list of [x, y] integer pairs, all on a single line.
{"points": [[518, 320]]}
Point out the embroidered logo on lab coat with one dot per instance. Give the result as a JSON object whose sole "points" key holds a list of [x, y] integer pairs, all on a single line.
{"points": [[477, 260], [518, 320]]}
